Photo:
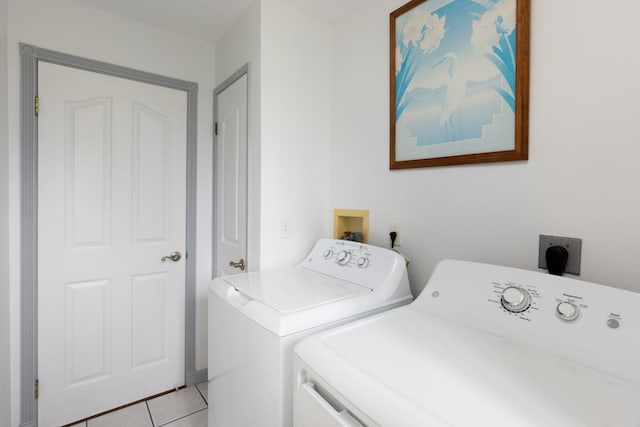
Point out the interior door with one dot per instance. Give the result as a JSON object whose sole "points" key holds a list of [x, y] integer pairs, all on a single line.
{"points": [[111, 196], [231, 212]]}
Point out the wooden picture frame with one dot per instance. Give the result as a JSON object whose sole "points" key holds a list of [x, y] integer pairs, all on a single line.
{"points": [[459, 79]]}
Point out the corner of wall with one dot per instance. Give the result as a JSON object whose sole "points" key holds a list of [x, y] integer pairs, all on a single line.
{"points": [[295, 132], [240, 45], [5, 348]]}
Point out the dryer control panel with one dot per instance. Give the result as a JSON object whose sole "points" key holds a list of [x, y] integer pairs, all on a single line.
{"points": [[591, 324], [378, 269]]}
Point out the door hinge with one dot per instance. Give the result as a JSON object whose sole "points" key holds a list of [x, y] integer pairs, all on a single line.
{"points": [[36, 388], [36, 105], [216, 128]]}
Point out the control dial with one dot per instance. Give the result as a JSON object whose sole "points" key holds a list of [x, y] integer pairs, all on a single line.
{"points": [[344, 257], [515, 299], [327, 254], [567, 311], [363, 262]]}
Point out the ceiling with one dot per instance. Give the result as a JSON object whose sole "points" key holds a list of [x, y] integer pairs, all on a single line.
{"points": [[208, 19]]}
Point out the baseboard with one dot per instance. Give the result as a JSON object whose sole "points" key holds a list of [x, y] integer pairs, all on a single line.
{"points": [[201, 376]]}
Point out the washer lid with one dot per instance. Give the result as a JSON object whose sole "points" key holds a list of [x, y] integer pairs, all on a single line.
{"points": [[292, 289]]}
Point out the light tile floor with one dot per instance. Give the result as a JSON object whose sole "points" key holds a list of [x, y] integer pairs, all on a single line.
{"points": [[183, 408]]}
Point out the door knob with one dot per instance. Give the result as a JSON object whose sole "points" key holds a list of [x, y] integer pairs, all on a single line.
{"points": [[240, 264], [175, 257]]}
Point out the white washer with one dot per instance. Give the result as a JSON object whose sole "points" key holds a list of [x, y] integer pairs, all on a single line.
{"points": [[255, 319], [481, 346]]}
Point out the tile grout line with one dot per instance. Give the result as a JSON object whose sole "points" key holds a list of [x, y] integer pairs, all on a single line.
{"points": [[149, 413], [202, 395], [168, 423], [184, 416], [153, 424], [128, 405]]}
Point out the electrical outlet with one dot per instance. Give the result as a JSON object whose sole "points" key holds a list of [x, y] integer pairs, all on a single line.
{"points": [[572, 245], [397, 227], [285, 228]]}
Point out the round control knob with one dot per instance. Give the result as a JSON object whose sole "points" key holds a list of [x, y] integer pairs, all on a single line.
{"points": [[363, 262], [344, 257], [515, 300], [327, 254], [567, 311]]}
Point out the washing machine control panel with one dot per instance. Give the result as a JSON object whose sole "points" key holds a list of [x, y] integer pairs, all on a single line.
{"points": [[352, 254], [559, 314], [371, 266], [524, 300]]}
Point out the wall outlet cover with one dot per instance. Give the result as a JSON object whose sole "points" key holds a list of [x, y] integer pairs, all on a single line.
{"points": [[397, 227], [573, 246], [285, 228]]}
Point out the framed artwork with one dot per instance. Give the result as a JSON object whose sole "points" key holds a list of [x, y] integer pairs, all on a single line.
{"points": [[459, 76]]}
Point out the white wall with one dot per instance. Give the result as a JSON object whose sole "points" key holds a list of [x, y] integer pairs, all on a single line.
{"points": [[5, 355], [295, 139], [289, 53], [582, 176], [69, 27]]}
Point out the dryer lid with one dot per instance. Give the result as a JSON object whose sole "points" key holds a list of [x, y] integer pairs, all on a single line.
{"points": [[292, 289], [432, 367]]}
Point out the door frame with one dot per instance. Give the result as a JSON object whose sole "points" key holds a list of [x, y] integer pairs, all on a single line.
{"points": [[30, 55], [242, 71]]}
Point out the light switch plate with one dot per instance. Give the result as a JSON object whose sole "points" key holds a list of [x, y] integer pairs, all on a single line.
{"points": [[572, 245]]}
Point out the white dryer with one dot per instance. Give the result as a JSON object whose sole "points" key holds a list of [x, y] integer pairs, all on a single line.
{"points": [[481, 346], [255, 320]]}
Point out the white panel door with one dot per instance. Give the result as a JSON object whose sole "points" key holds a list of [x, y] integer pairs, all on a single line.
{"points": [[111, 203], [231, 228]]}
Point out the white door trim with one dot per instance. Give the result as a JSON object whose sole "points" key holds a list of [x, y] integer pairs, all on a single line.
{"points": [[30, 56], [242, 71]]}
